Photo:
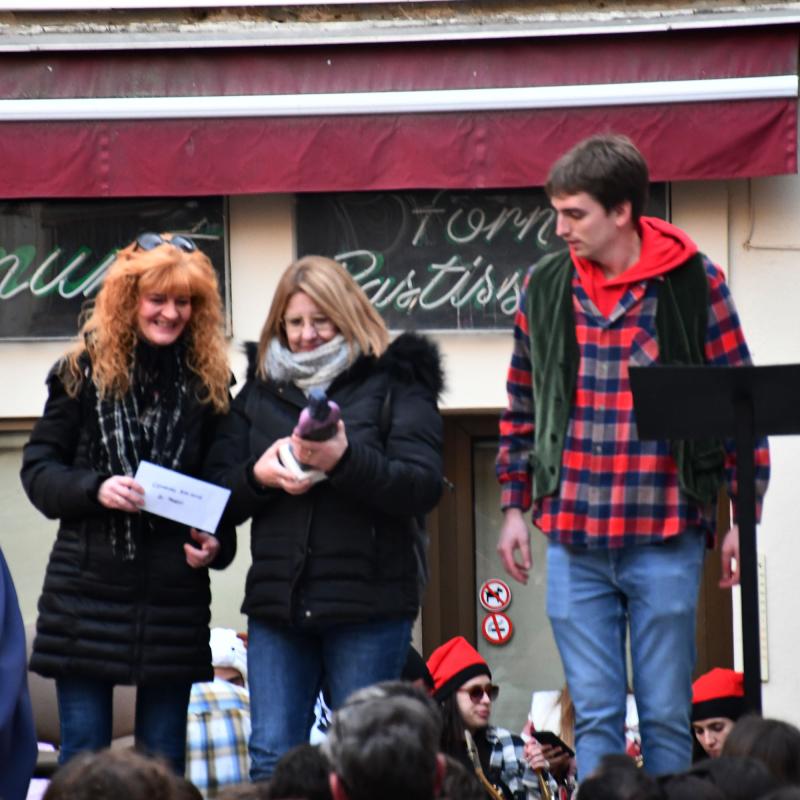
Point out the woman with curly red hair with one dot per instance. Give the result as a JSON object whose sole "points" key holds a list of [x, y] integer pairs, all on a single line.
{"points": [[126, 594]]}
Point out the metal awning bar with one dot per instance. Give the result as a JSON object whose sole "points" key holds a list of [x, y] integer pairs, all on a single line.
{"points": [[404, 102], [64, 36]]}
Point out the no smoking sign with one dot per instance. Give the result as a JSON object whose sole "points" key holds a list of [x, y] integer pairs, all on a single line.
{"points": [[497, 628]]}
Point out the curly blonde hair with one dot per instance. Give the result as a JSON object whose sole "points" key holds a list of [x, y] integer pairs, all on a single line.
{"points": [[110, 331], [338, 296]]}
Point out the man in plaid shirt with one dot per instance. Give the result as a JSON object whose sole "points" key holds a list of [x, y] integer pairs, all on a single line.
{"points": [[627, 520]]}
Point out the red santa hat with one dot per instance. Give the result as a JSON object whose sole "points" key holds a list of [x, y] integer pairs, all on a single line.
{"points": [[718, 693], [452, 664]]}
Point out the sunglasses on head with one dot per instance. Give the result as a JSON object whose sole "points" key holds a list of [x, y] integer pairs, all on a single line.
{"points": [[476, 693], [150, 240]]}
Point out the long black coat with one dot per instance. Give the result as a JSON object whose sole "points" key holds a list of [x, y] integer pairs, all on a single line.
{"points": [[139, 621], [343, 551]]}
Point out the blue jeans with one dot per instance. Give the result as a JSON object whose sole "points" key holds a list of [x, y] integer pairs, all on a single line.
{"points": [[593, 596], [85, 708], [286, 668]]}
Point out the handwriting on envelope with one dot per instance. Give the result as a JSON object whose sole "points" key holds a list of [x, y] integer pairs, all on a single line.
{"points": [[180, 498]]}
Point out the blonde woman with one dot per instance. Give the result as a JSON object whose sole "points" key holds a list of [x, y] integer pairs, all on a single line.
{"points": [[334, 584], [126, 594]]}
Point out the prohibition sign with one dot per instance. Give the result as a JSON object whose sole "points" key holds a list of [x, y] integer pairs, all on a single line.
{"points": [[497, 628], [495, 595]]}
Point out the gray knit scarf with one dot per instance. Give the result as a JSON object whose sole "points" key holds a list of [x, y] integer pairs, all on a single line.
{"points": [[316, 368]]}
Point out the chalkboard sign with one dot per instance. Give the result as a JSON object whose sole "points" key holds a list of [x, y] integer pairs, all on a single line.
{"points": [[54, 254], [437, 260]]}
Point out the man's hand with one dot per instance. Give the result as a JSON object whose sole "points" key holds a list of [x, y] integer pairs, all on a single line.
{"points": [[514, 536], [730, 554]]}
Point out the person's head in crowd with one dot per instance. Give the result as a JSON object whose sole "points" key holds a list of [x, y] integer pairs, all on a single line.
{"points": [[322, 289], [416, 671], [383, 743], [186, 790], [773, 742], [113, 775], [784, 793], [738, 778], [682, 786], [463, 687], [717, 702], [152, 278], [618, 778], [459, 783], [228, 656], [302, 772], [245, 791]]}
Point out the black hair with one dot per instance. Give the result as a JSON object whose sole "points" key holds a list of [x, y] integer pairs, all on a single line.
{"points": [[773, 742], [301, 772], [689, 787], [459, 783], [452, 741], [738, 778]]}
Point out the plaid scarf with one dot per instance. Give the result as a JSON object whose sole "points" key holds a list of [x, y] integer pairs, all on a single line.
{"points": [[144, 424]]}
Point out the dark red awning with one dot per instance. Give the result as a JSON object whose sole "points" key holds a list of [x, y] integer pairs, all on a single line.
{"points": [[75, 147]]}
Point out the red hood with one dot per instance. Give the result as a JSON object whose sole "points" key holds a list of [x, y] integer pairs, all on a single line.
{"points": [[664, 247]]}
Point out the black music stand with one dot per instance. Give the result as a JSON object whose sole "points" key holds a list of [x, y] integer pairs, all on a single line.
{"points": [[715, 402]]}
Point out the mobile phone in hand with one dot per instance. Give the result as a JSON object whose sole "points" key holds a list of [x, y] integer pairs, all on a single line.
{"points": [[549, 738]]}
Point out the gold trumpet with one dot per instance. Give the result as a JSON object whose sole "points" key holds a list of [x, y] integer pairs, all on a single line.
{"points": [[544, 786], [472, 751]]}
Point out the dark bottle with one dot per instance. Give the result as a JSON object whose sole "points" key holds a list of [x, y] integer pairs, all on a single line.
{"points": [[318, 420]]}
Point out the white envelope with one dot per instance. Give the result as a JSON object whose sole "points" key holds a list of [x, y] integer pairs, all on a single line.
{"points": [[180, 498]]}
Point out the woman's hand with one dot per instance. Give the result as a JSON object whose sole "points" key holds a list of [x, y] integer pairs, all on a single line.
{"points": [[559, 762], [269, 471], [202, 556], [534, 755], [121, 493], [323, 456]]}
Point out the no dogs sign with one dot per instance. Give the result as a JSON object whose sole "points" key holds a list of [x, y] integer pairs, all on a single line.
{"points": [[495, 595]]}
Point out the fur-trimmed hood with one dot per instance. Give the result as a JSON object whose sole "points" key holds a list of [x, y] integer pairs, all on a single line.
{"points": [[411, 357]]}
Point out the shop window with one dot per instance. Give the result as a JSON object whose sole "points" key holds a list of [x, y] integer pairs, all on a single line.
{"points": [[438, 260], [54, 253]]}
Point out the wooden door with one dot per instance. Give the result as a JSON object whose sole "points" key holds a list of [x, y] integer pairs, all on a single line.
{"points": [[449, 607]]}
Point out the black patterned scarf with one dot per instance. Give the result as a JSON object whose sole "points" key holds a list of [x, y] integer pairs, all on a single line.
{"points": [[144, 425]]}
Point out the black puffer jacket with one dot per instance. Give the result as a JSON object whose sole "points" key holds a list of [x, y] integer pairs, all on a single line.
{"points": [[139, 621], [343, 551]]}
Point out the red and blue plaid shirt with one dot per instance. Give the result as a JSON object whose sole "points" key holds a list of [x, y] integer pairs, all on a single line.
{"points": [[615, 490]]}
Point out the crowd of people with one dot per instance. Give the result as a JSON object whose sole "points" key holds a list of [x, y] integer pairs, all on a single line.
{"points": [[338, 550], [389, 741]]}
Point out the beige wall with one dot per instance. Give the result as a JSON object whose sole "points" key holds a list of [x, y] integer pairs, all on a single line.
{"points": [[750, 229], [765, 282], [764, 242]]}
